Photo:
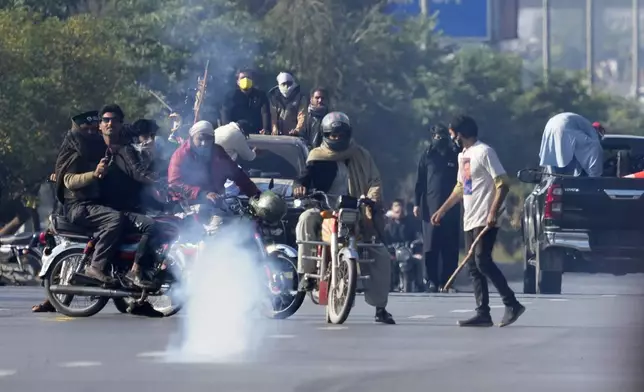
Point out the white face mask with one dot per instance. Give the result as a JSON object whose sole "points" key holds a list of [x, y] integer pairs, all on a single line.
{"points": [[286, 90]]}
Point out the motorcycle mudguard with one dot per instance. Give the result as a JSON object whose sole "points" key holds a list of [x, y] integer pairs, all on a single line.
{"points": [[323, 286], [287, 250], [47, 260]]}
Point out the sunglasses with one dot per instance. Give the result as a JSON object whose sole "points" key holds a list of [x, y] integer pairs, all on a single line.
{"points": [[110, 119]]}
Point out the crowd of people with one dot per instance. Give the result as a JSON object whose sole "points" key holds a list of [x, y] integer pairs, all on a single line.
{"points": [[105, 169]]}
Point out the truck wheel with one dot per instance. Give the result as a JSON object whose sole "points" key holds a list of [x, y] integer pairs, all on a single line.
{"points": [[529, 273], [550, 282]]}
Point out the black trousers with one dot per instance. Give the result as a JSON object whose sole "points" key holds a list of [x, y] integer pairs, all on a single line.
{"points": [[109, 226], [442, 260], [106, 223], [482, 268]]}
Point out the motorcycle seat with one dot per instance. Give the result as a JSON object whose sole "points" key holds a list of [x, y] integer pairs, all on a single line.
{"points": [[65, 228], [17, 239]]}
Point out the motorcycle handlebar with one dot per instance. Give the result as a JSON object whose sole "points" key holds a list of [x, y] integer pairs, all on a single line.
{"points": [[363, 200]]}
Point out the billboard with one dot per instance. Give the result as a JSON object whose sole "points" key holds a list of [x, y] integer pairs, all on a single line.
{"points": [[459, 19]]}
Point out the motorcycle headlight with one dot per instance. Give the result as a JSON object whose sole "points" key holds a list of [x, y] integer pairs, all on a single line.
{"points": [[348, 217], [297, 203], [403, 254]]}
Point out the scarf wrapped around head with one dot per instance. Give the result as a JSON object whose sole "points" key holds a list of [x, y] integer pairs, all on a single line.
{"points": [[364, 177]]}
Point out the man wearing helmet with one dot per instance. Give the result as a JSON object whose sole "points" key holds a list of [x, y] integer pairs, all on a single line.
{"points": [[341, 167]]}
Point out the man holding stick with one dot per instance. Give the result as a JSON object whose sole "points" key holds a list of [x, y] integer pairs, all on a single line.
{"points": [[482, 184]]}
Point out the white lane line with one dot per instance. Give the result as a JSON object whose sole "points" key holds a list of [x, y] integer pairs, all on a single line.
{"points": [[557, 300], [497, 306], [605, 296], [7, 372], [281, 336], [421, 317], [332, 328], [152, 354], [80, 364], [461, 311]]}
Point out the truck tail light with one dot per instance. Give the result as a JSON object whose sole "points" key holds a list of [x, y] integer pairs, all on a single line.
{"points": [[553, 205]]}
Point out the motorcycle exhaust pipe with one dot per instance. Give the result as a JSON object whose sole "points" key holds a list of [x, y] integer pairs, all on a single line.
{"points": [[90, 291]]}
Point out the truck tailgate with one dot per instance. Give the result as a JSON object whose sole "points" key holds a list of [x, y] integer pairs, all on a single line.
{"points": [[603, 205]]}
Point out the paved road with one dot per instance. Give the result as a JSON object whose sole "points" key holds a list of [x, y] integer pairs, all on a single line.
{"points": [[584, 340]]}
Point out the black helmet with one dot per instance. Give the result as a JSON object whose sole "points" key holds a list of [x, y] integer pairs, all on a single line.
{"points": [[338, 124], [269, 207]]}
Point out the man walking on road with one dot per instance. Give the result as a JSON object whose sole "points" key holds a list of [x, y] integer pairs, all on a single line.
{"points": [[482, 185]]}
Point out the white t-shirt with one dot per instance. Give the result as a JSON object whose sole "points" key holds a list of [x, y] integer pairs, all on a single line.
{"points": [[232, 139], [478, 166]]}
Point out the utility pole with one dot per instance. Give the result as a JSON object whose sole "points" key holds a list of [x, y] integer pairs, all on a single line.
{"points": [[546, 38], [590, 44], [636, 49]]}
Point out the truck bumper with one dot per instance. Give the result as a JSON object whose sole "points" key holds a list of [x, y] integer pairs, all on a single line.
{"points": [[581, 257]]}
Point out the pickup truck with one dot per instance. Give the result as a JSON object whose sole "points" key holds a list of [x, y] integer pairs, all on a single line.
{"points": [[584, 224]]}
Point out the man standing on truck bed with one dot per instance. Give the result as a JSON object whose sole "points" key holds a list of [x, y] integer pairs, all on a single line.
{"points": [[572, 145], [482, 185]]}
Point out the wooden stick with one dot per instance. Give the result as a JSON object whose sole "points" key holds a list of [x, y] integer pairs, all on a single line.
{"points": [[469, 254]]}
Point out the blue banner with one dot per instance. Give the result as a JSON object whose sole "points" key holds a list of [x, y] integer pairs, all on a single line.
{"points": [[462, 19]]}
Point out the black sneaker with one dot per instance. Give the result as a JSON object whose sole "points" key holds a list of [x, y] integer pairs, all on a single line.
{"points": [[480, 320], [382, 316], [512, 314], [146, 309]]}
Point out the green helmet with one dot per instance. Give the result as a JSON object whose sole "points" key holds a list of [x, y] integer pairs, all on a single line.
{"points": [[269, 207]]}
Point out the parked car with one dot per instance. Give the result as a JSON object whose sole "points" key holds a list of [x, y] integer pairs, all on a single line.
{"points": [[583, 224], [283, 160]]}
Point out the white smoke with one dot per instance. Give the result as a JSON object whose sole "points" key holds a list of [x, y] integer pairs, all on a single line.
{"points": [[223, 295]]}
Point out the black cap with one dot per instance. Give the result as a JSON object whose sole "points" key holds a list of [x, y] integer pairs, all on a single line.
{"points": [[86, 118]]}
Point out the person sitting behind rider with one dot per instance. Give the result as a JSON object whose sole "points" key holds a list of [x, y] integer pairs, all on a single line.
{"points": [[200, 168], [341, 167], [147, 143]]}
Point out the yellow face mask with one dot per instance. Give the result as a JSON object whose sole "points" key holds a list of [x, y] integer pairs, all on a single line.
{"points": [[245, 83]]}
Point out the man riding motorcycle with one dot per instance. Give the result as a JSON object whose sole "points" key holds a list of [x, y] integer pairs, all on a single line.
{"points": [[341, 167], [200, 168]]}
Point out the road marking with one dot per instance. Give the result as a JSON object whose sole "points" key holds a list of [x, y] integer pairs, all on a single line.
{"points": [[332, 328], [605, 296], [80, 364], [557, 300], [7, 372], [152, 354], [461, 311], [497, 306], [281, 336], [421, 317]]}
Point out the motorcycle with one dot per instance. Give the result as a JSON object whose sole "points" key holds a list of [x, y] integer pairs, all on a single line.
{"points": [[21, 257], [338, 254], [63, 267], [407, 266], [277, 260]]}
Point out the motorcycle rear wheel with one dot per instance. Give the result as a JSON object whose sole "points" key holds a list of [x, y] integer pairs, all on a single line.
{"points": [[63, 306], [339, 305]]}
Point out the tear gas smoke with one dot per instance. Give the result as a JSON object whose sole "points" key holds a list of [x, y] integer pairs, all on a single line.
{"points": [[222, 319]]}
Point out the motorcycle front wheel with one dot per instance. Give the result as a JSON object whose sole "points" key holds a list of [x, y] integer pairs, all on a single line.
{"points": [[281, 273], [342, 296]]}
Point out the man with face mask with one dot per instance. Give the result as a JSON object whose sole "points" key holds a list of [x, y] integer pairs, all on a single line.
{"points": [[200, 168], [435, 180], [341, 167], [248, 103], [287, 106], [311, 132]]}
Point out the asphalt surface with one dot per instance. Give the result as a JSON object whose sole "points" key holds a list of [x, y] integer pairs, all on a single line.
{"points": [[583, 340]]}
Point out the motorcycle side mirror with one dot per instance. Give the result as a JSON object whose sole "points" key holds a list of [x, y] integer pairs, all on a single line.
{"points": [[271, 184]]}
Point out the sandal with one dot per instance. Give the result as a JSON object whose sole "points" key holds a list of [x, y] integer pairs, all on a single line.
{"points": [[45, 307]]}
